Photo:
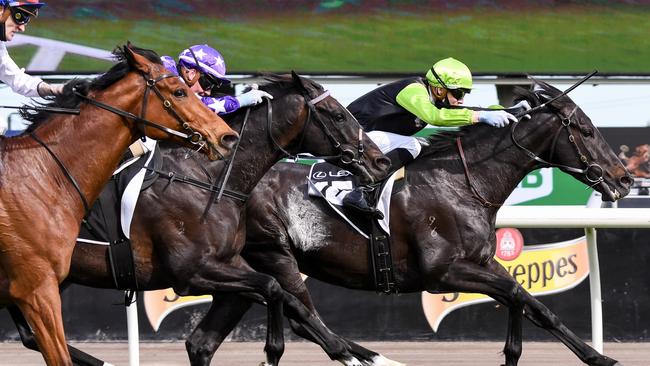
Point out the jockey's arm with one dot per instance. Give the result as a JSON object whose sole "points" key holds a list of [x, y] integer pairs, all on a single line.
{"points": [[16, 77], [415, 99], [221, 105]]}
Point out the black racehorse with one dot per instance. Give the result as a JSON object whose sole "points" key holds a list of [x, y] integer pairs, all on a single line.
{"points": [[180, 240], [442, 222]]}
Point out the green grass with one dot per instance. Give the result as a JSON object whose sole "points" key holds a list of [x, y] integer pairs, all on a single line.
{"points": [[611, 39]]}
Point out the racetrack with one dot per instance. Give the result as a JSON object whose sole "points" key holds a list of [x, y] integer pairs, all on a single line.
{"points": [[308, 354]]}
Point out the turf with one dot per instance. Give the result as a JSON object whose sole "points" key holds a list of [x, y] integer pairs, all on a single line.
{"points": [[571, 39]]}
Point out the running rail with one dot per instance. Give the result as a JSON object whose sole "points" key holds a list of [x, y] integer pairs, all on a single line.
{"points": [[579, 217]]}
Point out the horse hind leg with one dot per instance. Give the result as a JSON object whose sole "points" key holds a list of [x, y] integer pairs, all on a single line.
{"points": [[41, 307]]}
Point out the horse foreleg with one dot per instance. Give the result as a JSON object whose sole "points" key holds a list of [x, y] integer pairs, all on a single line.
{"points": [[221, 277], [222, 317], [494, 281], [541, 316], [79, 357], [41, 307]]}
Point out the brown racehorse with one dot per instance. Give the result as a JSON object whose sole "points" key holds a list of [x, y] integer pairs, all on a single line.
{"points": [[50, 174], [442, 222]]}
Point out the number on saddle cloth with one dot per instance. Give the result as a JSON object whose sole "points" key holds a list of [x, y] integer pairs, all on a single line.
{"points": [[333, 183]]}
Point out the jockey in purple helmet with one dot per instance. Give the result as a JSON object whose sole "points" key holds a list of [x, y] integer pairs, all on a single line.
{"points": [[13, 19], [203, 68]]}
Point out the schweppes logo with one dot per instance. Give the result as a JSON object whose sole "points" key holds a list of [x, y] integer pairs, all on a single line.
{"points": [[540, 269], [160, 303]]}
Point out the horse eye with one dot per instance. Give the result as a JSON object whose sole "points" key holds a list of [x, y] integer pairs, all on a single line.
{"points": [[179, 93], [589, 132], [340, 117]]}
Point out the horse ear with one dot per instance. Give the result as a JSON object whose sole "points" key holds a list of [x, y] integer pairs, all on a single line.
{"points": [[136, 60], [298, 81]]}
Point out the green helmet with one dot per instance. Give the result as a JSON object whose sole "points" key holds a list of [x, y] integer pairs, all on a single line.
{"points": [[450, 73]]}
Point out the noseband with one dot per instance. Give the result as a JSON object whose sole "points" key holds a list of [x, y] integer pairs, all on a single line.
{"points": [[346, 156]]}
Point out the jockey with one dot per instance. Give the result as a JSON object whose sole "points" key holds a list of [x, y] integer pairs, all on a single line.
{"points": [[393, 112], [204, 69], [14, 18]]}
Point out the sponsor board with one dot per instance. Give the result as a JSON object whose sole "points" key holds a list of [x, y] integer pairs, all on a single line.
{"points": [[540, 269]]}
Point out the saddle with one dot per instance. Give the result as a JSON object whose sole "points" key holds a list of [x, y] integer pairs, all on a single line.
{"points": [[111, 213], [329, 182]]}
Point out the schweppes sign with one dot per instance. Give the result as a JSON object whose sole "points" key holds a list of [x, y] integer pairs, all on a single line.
{"points": [[540, 269]]}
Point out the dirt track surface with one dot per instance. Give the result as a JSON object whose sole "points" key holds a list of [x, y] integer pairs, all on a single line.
{"points": [[307, 354]]}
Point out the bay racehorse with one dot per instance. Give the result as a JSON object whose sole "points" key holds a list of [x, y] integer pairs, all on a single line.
{"points": [[183, 241], [442, 222], [50, 174]]}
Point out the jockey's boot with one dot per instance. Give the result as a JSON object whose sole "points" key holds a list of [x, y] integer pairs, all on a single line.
{"points": [[356, 200]]}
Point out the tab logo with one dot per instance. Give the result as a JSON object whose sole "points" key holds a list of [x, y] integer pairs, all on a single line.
{"points": [[535, 185]]}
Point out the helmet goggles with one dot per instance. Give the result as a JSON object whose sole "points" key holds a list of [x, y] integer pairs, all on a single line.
{"points": [[206, 80], [21, 15]]}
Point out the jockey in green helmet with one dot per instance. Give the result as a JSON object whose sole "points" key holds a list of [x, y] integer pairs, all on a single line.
{"points": [[392, 113]]}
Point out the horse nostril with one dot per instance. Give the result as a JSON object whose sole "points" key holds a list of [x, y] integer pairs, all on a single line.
{"points": [[229, 140], [383, 163], [627, 180]]}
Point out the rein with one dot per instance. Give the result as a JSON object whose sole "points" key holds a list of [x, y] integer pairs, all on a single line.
{"points": [[566, 123]]}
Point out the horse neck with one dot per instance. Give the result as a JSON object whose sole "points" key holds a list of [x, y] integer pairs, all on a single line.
{"points": [[90, 145], [496, 165], [257, 153]]}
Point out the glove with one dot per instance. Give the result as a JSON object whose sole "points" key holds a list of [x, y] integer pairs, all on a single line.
{"points": [[524, 106], [496, 118], [252, 97]]}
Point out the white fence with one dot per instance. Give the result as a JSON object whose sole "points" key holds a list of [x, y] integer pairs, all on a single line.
{"points": [[579, 217]]}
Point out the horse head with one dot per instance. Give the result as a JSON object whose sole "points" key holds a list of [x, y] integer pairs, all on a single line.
{"points": [[172, 108], [573, 144], [325, 128]]}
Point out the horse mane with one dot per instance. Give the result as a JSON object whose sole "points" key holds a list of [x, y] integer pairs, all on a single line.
{"points": [[68, 99], [280, 85]]}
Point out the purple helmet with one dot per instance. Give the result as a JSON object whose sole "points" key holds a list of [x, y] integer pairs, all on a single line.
{"points": [[170, 64], [209, 61]]}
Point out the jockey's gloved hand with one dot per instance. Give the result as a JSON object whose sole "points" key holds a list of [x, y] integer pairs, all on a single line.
{"points": [[523, 106], [48, 90], [252, 97], [497, 118]]}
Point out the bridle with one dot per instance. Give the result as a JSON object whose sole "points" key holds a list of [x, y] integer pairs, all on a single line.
{"points": [[566, 122], [346, 156], [191, 136]]}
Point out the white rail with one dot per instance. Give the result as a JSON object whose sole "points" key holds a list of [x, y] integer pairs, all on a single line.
{"points": [[579, 217]]}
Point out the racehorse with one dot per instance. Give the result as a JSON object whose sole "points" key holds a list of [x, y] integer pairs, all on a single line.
{"points": [[178, 242], [51, 173], [442, 223]]}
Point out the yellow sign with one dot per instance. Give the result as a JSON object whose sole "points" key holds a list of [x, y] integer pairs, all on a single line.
{"points": [[160, 303], [540, 269]]}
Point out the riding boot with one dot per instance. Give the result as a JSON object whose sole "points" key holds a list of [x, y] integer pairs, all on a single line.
{"points": [[357, 201]]}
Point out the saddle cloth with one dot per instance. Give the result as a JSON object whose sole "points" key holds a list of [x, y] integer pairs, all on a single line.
{"points": [[332, 183], [111, 214]]}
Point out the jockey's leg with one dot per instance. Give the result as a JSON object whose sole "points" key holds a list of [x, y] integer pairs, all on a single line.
{"points": [[400, 150]]}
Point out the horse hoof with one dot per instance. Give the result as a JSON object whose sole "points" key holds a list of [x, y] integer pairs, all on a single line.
{"points": [[352, 361], [383, 361]]}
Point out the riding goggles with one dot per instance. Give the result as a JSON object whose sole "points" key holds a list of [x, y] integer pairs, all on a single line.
{"points": [[22, 16], [208, 82], [458, 93]]}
